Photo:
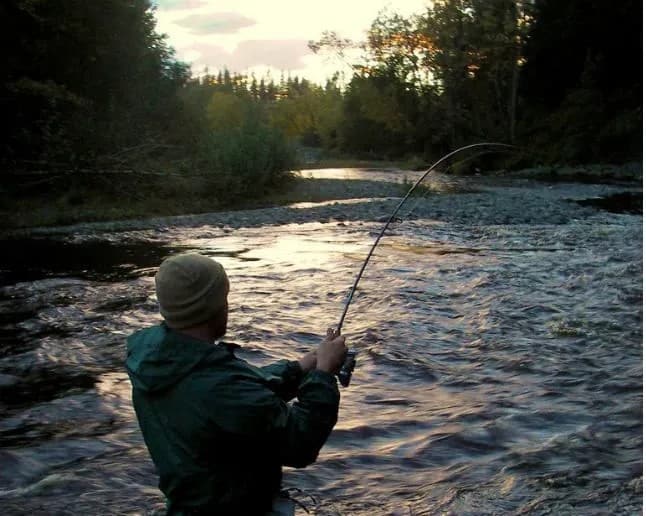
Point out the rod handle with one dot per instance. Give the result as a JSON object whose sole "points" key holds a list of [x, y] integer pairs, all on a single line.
{"points": [[345, 373]]}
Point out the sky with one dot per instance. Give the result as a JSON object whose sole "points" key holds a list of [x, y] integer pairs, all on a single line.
{"points": [[257, 36]]}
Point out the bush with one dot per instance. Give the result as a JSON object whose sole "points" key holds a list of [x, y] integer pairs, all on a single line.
{"points": [[246, 161]]}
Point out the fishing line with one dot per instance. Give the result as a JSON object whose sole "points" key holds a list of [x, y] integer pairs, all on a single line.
{"points": [[345, 374]]}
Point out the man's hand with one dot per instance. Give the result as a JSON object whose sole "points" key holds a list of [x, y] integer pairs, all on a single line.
{"points": [[308, 362], [331, 352]]}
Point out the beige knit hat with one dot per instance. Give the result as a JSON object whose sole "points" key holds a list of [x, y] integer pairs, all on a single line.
{"points": [[191, 289]]}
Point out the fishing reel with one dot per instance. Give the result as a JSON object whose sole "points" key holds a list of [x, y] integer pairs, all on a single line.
{"points": [[345, 373]]}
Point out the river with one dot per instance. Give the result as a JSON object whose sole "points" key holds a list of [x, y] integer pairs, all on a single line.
{"points": [[499, 332]]}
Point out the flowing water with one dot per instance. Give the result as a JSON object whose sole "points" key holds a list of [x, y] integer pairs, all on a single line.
{"points": [[499, 367]]}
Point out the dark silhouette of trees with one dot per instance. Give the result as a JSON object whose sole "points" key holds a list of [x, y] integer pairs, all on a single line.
{"points": [[582, 83], [83, 79]]}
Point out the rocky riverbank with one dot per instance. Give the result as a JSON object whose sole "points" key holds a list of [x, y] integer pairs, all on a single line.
{"points": [[468, 200], [309, 197]]}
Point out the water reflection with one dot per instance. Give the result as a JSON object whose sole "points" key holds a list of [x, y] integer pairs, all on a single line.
{"points": [[433, 181], [389, 175]]}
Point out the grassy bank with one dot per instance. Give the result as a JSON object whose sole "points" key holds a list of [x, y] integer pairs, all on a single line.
{"points": [[167, 196]]}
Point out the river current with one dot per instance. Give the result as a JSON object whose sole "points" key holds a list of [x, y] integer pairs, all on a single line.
{"points": [[499, 361]]}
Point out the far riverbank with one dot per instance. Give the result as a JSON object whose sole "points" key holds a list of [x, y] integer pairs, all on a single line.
{"points": [[192, 197]]}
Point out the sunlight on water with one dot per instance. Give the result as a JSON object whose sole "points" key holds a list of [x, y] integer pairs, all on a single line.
{"points": [[394, 175], [303, 205]]}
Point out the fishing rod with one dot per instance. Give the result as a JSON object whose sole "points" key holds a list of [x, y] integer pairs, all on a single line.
{"points": [[345, 373]]}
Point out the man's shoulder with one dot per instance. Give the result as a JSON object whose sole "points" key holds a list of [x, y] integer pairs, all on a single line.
{"points": [[223, 370], [235, 395], [151, 335]]}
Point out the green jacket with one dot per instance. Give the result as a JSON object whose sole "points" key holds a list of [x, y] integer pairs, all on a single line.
{"points": [[219, 429]]}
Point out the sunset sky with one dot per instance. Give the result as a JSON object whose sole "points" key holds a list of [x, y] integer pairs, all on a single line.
{"points": [[261, 35]]}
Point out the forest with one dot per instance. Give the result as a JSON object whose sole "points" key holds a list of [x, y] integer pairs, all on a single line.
{"points": [[95, 102]]}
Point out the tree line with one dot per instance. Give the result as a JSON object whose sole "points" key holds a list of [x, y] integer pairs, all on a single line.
{"points": [[563, 77], [92, 85]]}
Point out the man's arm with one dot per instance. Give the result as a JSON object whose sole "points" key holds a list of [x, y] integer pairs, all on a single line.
{"points": [[304, 427], [285, 376], [309, 420], [295, 433]]}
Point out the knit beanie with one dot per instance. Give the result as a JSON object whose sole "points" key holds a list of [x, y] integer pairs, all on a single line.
{"points": [[191, 289]]}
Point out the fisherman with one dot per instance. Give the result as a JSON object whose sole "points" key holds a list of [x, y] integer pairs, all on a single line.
{"points": [[218, 429]]}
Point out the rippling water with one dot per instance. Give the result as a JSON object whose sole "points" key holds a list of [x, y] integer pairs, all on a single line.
{"points": [[499, 367]]}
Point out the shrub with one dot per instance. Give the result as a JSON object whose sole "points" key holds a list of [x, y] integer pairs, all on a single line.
{"points": [[246, 161]]}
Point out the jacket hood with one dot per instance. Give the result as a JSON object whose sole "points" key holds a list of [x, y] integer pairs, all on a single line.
{"points": [[158, 357]]}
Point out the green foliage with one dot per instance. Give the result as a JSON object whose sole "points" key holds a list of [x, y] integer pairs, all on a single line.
{"points": [[375, 120], [235, 142], [226, 111], [561, 77], [84, 79], [582, 84], [242, 154], [577, 124], [432, 82]]}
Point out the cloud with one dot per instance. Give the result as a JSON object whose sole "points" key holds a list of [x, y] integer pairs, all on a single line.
{"points": [[213, 56], [283, 54], [215, 23], [180, 4]]}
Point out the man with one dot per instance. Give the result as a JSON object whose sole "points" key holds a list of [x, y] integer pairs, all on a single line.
{"points": [[218, 429]]}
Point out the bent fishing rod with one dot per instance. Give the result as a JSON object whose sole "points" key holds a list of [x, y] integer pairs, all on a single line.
{"points": [[345, 373]]}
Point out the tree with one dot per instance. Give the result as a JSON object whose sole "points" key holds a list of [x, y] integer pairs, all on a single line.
{"points": [[443, 78], [84, 78], [582, 83]]}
